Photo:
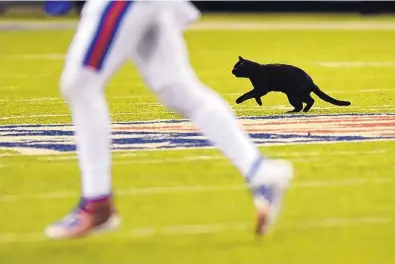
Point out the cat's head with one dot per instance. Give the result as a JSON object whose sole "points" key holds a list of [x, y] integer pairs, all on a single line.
{"points": [[244, 68]]}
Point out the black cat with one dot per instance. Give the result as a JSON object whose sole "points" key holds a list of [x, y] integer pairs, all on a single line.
{"points": [[288, 79]]}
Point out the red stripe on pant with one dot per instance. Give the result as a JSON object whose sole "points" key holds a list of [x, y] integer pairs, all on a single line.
{"points": [[104, 37]]}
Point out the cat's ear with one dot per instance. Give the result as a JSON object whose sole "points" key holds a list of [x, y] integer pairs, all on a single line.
{"points": [[241, 58]]}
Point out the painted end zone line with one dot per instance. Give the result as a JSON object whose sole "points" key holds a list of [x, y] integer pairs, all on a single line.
{"points": [[270, 130], [212, 228]]}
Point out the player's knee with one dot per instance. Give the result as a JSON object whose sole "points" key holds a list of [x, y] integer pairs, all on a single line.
{"points": [[79, 83], [68, 84]]}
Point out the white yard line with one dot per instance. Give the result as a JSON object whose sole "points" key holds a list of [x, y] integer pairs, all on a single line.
{"points": [[38, 99], [185, 189], [220, 161], [178, 230], [2, 155], [31, 116], [356, 64], [224, 25], [294, 25], [284, 107], [328, 64], [213, 228], [254, 108], [193, 159], [54, 100], [220, 157]]}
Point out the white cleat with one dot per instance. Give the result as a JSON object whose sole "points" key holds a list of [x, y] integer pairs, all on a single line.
{"points": [[268, 187]]}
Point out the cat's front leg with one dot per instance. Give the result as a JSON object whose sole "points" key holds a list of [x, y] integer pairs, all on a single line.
{"points": [[258, 100], [246, 96]]}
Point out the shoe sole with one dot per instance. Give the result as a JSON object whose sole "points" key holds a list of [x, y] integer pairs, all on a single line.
{"points": [[111, 224]]}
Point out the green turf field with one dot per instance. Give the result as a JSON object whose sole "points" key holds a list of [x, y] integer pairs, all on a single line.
{"points": [[190, 205]]}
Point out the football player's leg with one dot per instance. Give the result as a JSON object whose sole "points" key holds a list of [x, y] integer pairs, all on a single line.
{"points": [[163, 61], [185, 13], [99, 48]]}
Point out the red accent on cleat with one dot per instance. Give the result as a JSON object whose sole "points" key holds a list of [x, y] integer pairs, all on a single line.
{"points": [[93, 216]]}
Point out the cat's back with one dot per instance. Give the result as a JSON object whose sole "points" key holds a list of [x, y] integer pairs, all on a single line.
{"points": [[282, 68], [278, 71]]}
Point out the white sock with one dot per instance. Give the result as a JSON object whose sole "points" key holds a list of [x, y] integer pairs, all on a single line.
{"points": [[92, 122]]}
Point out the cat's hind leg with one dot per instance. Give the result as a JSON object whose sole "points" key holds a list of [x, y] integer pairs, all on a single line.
{"points": [[309, 103], [295, 101]]}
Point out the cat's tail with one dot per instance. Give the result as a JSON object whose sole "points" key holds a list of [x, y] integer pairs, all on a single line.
{"points": [[327, 98]]}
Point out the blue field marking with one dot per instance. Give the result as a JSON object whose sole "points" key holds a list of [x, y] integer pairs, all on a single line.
{"points": [[180, 133]]}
